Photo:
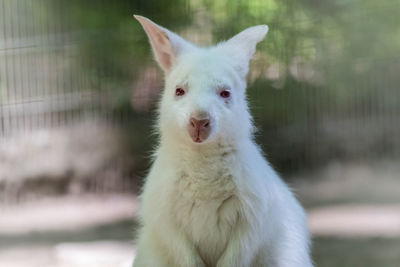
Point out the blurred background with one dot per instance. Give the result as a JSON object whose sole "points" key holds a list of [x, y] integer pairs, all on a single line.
{"points": [[78, 90]]}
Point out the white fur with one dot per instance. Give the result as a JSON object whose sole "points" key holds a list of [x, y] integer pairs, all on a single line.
{"points": [[218, 203]]}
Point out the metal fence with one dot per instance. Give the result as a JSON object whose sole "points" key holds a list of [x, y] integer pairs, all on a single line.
{"points": [[42, 81], [48, 80]]}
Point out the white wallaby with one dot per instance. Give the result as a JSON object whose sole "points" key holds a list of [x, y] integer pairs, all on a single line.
{"points": [[211, 198]]}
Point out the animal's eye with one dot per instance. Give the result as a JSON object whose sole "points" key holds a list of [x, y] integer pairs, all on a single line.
{"points": [[179, 92], [225, 94]]}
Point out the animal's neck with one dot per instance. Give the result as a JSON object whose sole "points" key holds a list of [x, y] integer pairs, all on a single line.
{"points": [[207, 171], [185, 150], [211, 158]]}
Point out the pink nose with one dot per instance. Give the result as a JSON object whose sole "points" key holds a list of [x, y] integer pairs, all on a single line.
{"points": [[199, 130]]}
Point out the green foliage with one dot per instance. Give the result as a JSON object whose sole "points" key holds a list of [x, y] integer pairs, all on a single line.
{"points": [[327, 60]]}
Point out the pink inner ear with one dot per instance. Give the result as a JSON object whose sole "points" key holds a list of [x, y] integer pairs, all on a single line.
{"points": [[162, 38], [162, 48], [166, 59], [160, 42]]}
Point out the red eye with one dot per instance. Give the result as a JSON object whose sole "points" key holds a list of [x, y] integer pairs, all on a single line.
{"points": [[225, 94], [179, 92]]}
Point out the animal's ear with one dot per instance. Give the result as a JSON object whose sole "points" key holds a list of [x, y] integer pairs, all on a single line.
{"points": [[166, 45], [242, 46]]}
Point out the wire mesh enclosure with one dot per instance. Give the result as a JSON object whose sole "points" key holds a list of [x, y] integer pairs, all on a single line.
{"points": [[323, 86], [46, 80]]}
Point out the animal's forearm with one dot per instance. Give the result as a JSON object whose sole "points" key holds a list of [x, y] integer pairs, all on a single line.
{"points": [[240, 249], [182, 252], [292, 248]]}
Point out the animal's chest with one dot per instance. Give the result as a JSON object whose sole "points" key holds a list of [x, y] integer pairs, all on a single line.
{"points": [[206, 209]]}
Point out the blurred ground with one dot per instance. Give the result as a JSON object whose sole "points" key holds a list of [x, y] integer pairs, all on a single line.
{"points": [[84, 157], [354, 182], [354, 213], [353, 200], [350, 215], [86, 230]]}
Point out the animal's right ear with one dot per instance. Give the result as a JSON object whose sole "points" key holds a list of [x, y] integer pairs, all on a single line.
{"points": [[166, 45], [242, 46]]}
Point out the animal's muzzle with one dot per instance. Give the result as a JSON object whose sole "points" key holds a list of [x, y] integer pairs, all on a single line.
{"points": [[199, 130]]}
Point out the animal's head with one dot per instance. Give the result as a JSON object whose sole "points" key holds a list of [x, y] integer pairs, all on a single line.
{"points": [[204, 99]]}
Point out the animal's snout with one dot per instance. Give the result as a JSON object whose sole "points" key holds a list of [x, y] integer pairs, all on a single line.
{"points": [[199, 124], [199, 129]]}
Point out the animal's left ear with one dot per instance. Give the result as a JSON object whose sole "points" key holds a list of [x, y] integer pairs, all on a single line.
{"points": [[166, 45], [243, 45]]}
